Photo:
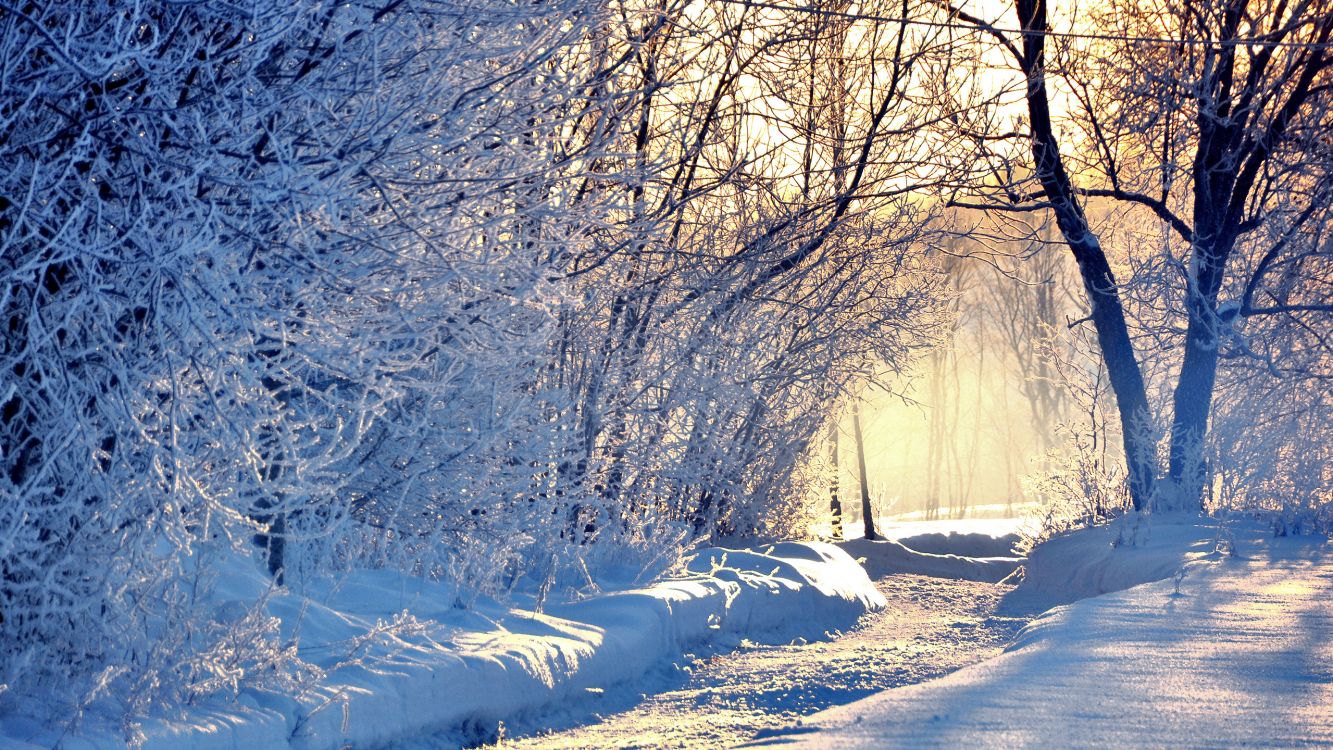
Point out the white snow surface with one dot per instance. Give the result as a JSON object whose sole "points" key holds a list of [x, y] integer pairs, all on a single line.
{"points": [[967, 549], [886, 557], [909, 527], [1132, 550], [455, 667], [902, 529], [1241, 655]]}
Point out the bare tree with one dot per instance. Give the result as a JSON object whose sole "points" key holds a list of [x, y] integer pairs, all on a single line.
{"points": [[1204, 116], [762, 269]]}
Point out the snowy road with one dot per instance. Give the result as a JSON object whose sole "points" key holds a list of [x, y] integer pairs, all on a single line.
{"points": [[1235, 653], [932, 626]]}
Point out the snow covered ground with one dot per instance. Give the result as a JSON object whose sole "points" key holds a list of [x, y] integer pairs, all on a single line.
{"points": [[723, 694], [1199, 648], [903, 528], [886, 557], [968, 549], [936, 534], [931, 627], [391, 677], [1230, 652]]}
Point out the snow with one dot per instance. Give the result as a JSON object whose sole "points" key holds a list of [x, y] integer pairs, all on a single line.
{"points": [[886, 557], [714, 699], [1238, 652], [967, 549], [995, 528], [390, 676], [1162, 632], [913, 526], [1132, 550], [968, 537]]}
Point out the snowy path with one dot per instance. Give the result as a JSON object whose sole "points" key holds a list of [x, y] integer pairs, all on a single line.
{"points": [[1240, 656], [931, 626]]}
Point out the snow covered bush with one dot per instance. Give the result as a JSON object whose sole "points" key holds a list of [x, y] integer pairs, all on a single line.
{"points": [[433, 285], [1082, 480], [252, 259], [1078, 487], [768, 262], [1265, 455]]}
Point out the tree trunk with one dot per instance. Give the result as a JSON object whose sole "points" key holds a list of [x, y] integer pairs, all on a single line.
{"points": [[1107, 311], [1193, 401], [1216, 227], [867, 513], [1193, 397], [835, 503]]}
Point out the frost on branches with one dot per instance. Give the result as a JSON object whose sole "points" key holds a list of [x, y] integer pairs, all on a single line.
{"points": [[432, 286]]}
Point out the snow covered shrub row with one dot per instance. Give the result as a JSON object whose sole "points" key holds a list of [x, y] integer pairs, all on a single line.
{"points": [[1266, 453], [421, 284], [254, 258]]}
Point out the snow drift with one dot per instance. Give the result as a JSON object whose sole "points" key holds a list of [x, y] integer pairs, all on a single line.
{"points": [[398, 659], [886, 557], [1129, 551]]}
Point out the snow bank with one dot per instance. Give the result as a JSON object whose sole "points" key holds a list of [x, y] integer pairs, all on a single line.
{"points": [[1240, 656], [903, 529], [963, 545], [886, 557], [392, 676], [1132, 550], [966, 549]]}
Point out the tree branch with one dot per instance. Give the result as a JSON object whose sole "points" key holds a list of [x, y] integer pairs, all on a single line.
{"points": [[1157, 207]]}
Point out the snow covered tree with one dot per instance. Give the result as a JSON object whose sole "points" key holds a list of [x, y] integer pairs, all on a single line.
{"points": [[765, 260], [248, 254], [1209, 119], [477, 291]]}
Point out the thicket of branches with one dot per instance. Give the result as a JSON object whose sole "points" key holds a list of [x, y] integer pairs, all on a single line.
{"points": [[1181, 149], [475, 290]]}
